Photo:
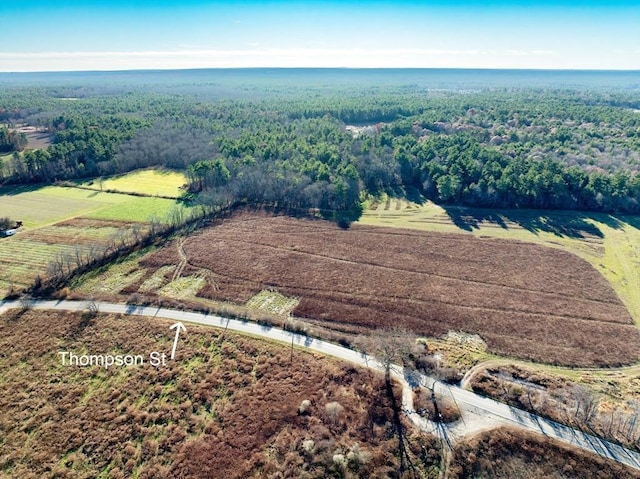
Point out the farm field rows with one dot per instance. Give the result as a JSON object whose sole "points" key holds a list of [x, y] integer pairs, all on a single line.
{"points": [[37, 207], [610, 243], [537, 303], [59, 220]]}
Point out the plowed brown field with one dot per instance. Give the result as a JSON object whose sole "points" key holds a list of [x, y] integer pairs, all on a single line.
{"points": [[524, 299]]}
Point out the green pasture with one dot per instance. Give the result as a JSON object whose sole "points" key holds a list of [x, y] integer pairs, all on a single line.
{"points": [[611, 243], [139, 209], [42, 209], [5, 157], [148, 182], [41, 206]]}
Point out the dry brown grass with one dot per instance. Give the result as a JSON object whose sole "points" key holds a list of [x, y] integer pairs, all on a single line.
{"points": [[523, 299], [227, 407], [513, 454], [439, 409]]}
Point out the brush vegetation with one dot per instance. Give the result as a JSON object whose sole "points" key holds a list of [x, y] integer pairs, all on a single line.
{"points": [[228, 406]]}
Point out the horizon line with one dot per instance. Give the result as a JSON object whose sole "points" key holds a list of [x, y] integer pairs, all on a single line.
{"points": [[195, 69]]}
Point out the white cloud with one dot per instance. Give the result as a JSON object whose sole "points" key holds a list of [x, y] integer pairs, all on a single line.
{"points": [[544, 52], [356, 57]]}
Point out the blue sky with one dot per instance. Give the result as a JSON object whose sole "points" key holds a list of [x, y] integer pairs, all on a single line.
{"points": [[38, 35]]}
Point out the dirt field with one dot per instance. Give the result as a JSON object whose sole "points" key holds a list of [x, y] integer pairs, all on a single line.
{"points": [[36, 138], [523, 299], [228, 406]]}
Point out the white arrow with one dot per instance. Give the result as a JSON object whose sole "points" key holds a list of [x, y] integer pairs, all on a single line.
{"points": [[177, 327]]}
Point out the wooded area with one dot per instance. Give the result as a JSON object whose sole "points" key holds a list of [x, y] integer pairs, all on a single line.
{"points": [[269, 141]]}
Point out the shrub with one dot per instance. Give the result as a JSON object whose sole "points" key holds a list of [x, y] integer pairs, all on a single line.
{"points": [[438, 408], [308, 445], [333, 411], [304, 407]]}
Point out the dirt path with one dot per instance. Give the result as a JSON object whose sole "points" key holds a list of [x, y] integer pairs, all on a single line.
{"points": [[629, 371], [183, 259]]}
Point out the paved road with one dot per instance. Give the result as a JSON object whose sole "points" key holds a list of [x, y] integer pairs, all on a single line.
{"points": [[493, 413]]}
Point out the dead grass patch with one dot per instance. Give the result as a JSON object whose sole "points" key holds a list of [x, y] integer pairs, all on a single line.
{"points": [[513, 454], [272, 302]]}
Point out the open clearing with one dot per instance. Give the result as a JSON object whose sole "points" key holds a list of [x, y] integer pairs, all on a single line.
{"points": [[149, 182], [37, 138], [610, 243], [59, 220], [523, 299]]}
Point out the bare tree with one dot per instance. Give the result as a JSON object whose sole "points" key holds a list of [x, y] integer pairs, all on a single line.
{"points": [[136, 231], [55, 267], [78, 256], [389, 346], [586, 406], [26, 302], [93, 308], [155, 226], [176, 216]]}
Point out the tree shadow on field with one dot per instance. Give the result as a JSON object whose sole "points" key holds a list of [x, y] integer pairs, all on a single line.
{"points": [[14, 315], [633, 221], [470, 219], [343, 218], [14, 190], [409, 193], [568, 224]]}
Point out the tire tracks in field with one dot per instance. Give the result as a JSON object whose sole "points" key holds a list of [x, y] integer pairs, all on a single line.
{"points": [[207, 274], [454, 237], [183, 259]]}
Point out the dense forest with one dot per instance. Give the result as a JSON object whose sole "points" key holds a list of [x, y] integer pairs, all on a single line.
{"points": [[328, 143]]}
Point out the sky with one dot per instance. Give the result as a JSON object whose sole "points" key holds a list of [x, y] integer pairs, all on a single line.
{"points": [[67, 35]]}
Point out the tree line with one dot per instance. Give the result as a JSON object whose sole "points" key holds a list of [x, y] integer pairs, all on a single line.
{"points": [[528, 148]]}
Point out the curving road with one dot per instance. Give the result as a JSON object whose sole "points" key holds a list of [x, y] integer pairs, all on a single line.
{"points": [[478, 412]]}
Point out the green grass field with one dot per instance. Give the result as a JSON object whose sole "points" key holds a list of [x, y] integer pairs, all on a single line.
{"points": [[61, 220], [38, 207], [139, 209], [149, 182], [5, 157], [611, 243]]}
